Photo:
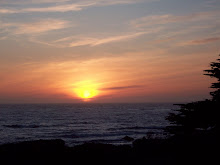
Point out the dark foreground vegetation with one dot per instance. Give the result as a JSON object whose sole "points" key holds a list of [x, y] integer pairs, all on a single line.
{"points": [[195, 141], [197, 149]]}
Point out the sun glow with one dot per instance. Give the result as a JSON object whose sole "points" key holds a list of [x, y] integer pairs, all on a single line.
{"points": [[86, 90], [86, 93]]}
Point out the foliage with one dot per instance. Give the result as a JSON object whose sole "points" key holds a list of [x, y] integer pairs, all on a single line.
{"points": [[215, 72], [200, 115]]}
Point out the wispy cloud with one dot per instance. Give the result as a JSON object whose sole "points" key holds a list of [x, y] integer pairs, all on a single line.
{"points": [[59, 8], [88, 41], [118, 38], [203, 41], [177, 27], [164, 19], [35, 27], [100, 41], [15, 2], [78, 5], [92, 41], [75, 41], [3, 38]]}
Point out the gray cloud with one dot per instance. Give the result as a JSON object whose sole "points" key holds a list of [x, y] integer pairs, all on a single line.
{"points": [[123, 87]]}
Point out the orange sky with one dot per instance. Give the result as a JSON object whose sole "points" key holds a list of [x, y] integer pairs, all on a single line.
{"points": [[118, 51]]}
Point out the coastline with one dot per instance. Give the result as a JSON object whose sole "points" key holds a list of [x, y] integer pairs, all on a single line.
{"points": [[196, 149]]}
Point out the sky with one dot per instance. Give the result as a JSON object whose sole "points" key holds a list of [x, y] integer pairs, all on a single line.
{"points": [[71, 51]]}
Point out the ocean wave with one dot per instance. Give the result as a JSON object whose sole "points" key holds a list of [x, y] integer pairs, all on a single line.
{"points": [[136, 128], [80, 123], [22, 126]]}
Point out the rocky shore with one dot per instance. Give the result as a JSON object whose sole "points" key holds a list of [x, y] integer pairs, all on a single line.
{"points": [[196, 149]]}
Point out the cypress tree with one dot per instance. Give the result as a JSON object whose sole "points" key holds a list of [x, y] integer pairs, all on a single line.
{"points": [[200, 115]]}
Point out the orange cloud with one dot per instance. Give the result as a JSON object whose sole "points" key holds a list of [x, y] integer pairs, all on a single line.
{"points": [[40, 26], [203, 41], [32, 29]]}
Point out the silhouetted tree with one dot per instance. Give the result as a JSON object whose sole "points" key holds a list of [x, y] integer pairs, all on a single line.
{"points": [[215, 72], [200, 115]]}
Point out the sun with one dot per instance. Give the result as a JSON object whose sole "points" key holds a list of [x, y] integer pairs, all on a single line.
{"points": [[86, 93], [86, 90]]}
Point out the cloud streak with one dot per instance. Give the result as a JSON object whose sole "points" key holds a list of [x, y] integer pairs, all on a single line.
{"points": [[37, 27], [34, 29], [100, 41], [77, 6], [173, 27], [123, 87], [16, 2], [75, 41], [169, 18], [203, 41]]}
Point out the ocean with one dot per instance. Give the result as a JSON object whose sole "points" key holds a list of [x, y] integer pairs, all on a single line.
{"points": [[80, 123]]}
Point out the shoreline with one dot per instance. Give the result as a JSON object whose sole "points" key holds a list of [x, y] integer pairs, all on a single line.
{"points": [[175, 150]]}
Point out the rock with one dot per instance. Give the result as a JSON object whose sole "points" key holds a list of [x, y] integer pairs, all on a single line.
{"points": [[127, 138]]}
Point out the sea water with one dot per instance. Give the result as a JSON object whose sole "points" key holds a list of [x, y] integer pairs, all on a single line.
{"points": [[80, 123]]}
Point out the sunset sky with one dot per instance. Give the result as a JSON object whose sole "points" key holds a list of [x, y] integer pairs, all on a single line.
{"points": [[67, 51]]}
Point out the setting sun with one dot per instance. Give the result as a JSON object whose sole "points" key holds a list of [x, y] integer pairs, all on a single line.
{"points": [[86, 93], [86, 90]]}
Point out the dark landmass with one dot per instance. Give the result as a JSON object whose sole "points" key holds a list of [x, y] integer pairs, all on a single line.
{"points": [[201, 148]]}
